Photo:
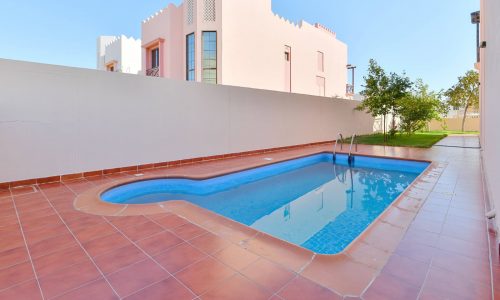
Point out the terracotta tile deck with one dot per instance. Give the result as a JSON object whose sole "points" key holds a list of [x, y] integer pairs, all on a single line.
{"points": [[434, 243]]}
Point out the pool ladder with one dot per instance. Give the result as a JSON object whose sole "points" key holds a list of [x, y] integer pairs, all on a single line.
{"points": [[336, 143], [350, 157]]}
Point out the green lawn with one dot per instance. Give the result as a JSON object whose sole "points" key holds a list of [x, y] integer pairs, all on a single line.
{"points": [[418, 140]]}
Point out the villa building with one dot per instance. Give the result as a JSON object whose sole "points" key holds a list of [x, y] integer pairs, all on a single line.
{"points": [[243, 43], [119, 54]]}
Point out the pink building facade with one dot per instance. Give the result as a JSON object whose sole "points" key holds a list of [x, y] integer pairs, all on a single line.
{"points": [[243, 43]]}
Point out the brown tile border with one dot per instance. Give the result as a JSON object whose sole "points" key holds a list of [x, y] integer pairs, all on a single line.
{"points": [[348, 273], [68, 177]]}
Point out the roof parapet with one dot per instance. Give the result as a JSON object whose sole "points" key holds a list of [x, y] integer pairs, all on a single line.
{"points": [[116, 39], [160, 12], [325, 29]]}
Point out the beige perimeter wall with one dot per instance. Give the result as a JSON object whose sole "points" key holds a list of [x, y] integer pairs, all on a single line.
{"points": [[58, 120], [471, 124]]}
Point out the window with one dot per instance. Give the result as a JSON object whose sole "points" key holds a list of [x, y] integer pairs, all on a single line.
{"points": [[155, 58], [190, 57], [110, 67], [209, 58], [321, 61], [288, 69]]}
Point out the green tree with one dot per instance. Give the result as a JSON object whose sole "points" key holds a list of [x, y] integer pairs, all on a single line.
{"points": [[375, 92], [465, 93], [382, 92], [399, 88], [419, 108]]}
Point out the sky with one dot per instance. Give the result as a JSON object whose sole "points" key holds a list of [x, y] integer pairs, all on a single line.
{"points": [[428, 39]]}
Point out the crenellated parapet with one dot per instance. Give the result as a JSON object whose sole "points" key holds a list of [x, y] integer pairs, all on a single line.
{"points": [[161, 12], [325, 29]]}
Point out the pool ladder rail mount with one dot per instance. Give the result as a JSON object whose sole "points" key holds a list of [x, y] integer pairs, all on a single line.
{"points": [[350, 157]]}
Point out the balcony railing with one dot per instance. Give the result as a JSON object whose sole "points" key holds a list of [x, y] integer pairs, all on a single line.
{"points": [[153, 72], [349, 89]]}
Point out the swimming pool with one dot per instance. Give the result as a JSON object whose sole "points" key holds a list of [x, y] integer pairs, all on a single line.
{"points": [[311, 201]]}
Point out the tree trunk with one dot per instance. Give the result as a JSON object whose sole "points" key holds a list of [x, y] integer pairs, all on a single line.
{"points": [[393, 125], [385, 136], [465, 116]]}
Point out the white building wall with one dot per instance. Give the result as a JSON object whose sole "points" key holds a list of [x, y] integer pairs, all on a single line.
{"points": [[490, 99], [125, 51], [102, 41], [59, 120]]}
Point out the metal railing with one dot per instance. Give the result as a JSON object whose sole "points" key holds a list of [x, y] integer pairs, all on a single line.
{"points": [[154, 72], [350, 158], [349, 89], [336, 143]]}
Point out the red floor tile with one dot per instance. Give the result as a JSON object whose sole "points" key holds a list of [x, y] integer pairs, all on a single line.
{"points": [[171, 221], [398, 267], [67, 279], [35, 236], [81, 220], [136, 277], [204, 275], [477, 270], [119, 258], [169, 288], [416, 251], [188, 231], [26, 291], [59, 260], [302, 288], [34, 214], [236, 257], [106, 244], [98, 290], [472, 250], [159, 242], [269, 275], [388, 287], [41, 222], [124, 222], [209, 243], [179, 257], [15, 275], [52, 245], [442, 284], [94, 232], [237, 287], [141, 231], [13, 257]]}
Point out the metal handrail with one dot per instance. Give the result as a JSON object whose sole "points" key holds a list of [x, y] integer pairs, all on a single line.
{"points": [[350, 157], [336, 142], [153, 72]]}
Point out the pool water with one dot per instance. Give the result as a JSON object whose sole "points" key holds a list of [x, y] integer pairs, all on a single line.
{"points": [[311, 201]]}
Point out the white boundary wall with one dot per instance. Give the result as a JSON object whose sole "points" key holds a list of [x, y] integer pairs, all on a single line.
{"points": [[490, 99], [58, 120]]}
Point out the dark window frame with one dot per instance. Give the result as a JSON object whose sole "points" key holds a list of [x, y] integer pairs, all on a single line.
{"points": [[191, 68], [203, 53], [155, 57]]}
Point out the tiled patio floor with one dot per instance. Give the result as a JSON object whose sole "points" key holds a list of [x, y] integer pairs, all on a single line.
{"points": [[48, 250]]}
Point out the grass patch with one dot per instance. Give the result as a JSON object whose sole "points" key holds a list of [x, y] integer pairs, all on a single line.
{"points": [[417, 140]]}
